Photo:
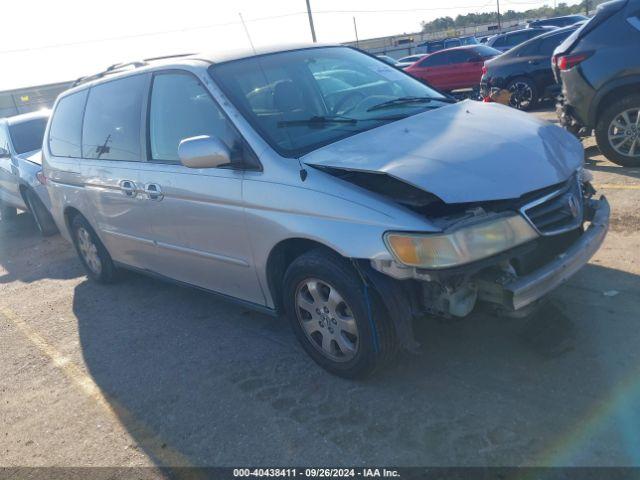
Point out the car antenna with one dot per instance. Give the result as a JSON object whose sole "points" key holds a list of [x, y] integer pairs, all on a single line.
{"points": [[246, 30]]}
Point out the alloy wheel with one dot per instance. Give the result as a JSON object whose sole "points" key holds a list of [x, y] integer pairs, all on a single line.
{"points": [[624, 133], [521, 95], [326, 319], [89, 251]]}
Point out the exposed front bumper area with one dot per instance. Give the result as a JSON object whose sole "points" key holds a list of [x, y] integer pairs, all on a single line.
{"points": [[520, 292]]}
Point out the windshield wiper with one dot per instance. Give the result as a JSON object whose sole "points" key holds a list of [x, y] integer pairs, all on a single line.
{"points": [[408, 100], [317, 121]]}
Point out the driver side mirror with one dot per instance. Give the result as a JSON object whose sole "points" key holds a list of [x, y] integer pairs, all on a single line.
{"points": [[203, 152]]}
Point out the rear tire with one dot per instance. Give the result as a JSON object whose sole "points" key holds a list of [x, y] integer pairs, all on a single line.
{"points": [[340, 322], [524, 94], [42, 217], [7, 212], [617, 140], [93, 255]]}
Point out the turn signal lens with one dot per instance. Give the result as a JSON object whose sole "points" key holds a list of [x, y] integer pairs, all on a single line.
{"points": [[41, 178], [461, 246]]}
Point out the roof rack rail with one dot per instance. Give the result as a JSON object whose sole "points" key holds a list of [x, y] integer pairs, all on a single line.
{"points": [[112, 69], [119, 67], [164, 57]]}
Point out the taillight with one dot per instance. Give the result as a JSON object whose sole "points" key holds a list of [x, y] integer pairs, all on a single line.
{"points": [[567, 62], [41, 178], [484, 70], [554, 60]]}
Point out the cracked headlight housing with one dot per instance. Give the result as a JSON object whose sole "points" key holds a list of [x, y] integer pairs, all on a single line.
{"points": [[460, 246]]}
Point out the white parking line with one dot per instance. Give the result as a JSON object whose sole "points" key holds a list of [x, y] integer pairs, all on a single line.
{"points": [[147, 439]]}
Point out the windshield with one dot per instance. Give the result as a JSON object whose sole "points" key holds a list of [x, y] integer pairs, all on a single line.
{"points": [[27, 136], [301, 100]]}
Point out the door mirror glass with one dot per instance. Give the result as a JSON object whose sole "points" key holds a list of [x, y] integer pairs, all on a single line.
{"points": [[203, 152]]}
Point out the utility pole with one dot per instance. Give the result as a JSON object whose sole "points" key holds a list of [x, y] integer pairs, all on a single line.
{"points": [[313, 30], [499, 26], [586, 7], [355, 28]]}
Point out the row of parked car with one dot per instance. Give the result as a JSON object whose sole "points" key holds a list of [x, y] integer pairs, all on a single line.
{"points": [[591, 66], [317, 182]]}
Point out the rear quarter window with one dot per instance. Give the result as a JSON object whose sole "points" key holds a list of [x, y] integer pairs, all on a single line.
{"points": [[66, 126]]}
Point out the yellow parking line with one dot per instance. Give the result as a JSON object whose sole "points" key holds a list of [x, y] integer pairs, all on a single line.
{"points": [[144, 436], [613, 186]]}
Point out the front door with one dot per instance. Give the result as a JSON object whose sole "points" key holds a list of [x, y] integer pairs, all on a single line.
{"points": [[197, 216]]}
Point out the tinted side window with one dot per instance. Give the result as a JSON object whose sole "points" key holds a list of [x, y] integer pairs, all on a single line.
{"points": [[182, 108], [66, 126], [500, 41], [111, 129], [549, 44], [461, 56], [435, 60]]}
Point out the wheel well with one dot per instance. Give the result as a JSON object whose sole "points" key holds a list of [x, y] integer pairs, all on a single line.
{"points": [[614, 95], [23, 194], [279, 260], [69, 215]]}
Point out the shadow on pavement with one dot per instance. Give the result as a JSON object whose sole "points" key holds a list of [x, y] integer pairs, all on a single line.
{"points": [[50, 257], [209, 383]]}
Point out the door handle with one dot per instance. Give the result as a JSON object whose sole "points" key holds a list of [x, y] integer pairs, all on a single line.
{"points": [[128, 188], [154, 192], [534, 62]]}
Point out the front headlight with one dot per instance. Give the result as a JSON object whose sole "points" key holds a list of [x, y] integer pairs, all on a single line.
{"points": [[458, 247]]}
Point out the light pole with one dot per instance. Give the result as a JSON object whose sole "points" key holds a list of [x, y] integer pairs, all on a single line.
{"points": [[355, 28], [313, 30], [498, 3]]}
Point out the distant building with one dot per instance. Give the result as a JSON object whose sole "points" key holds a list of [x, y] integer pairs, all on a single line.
{"points": [[24, 100]]}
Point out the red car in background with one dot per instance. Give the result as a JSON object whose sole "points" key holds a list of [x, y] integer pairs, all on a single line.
{"points": [[454, 68]]}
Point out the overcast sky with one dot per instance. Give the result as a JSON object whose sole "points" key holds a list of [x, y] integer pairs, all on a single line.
{"points": [[57, 40]]}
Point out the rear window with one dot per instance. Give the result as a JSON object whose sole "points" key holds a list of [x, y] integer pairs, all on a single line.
{"points": [[485, 51], [27, 136], [112, 120], [66, 126]]}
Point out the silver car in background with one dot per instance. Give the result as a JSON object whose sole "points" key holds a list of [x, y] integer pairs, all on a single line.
{"points": [[21, 186], [322, 183]]}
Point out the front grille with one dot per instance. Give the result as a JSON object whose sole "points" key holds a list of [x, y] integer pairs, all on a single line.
{"points": [[556, 212]]}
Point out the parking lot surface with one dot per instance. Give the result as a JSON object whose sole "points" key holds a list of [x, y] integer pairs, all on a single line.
{"points": [[145, 373]]}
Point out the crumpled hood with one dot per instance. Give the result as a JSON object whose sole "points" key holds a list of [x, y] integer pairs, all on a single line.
{"points": [[465, 152], [34, 156]]}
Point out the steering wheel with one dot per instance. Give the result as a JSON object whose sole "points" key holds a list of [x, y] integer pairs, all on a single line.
{"points": [[349, 96]]}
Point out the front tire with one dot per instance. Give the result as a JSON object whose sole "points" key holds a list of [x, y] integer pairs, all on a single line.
{"points": [[93, 255], [42, 217], [618, 132], [340, 322]]}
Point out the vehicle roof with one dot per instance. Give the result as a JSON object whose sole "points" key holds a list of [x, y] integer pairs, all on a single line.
{"points": [[461, 47], [550, 33], [573, 15], [541, 28], [221, 56], [25, 117]]}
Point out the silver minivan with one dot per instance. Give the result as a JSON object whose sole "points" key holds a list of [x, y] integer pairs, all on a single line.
{"points": [[322, 183]]}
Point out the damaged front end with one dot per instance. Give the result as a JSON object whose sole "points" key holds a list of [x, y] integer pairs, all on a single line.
{"points": [[541, 240]]}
